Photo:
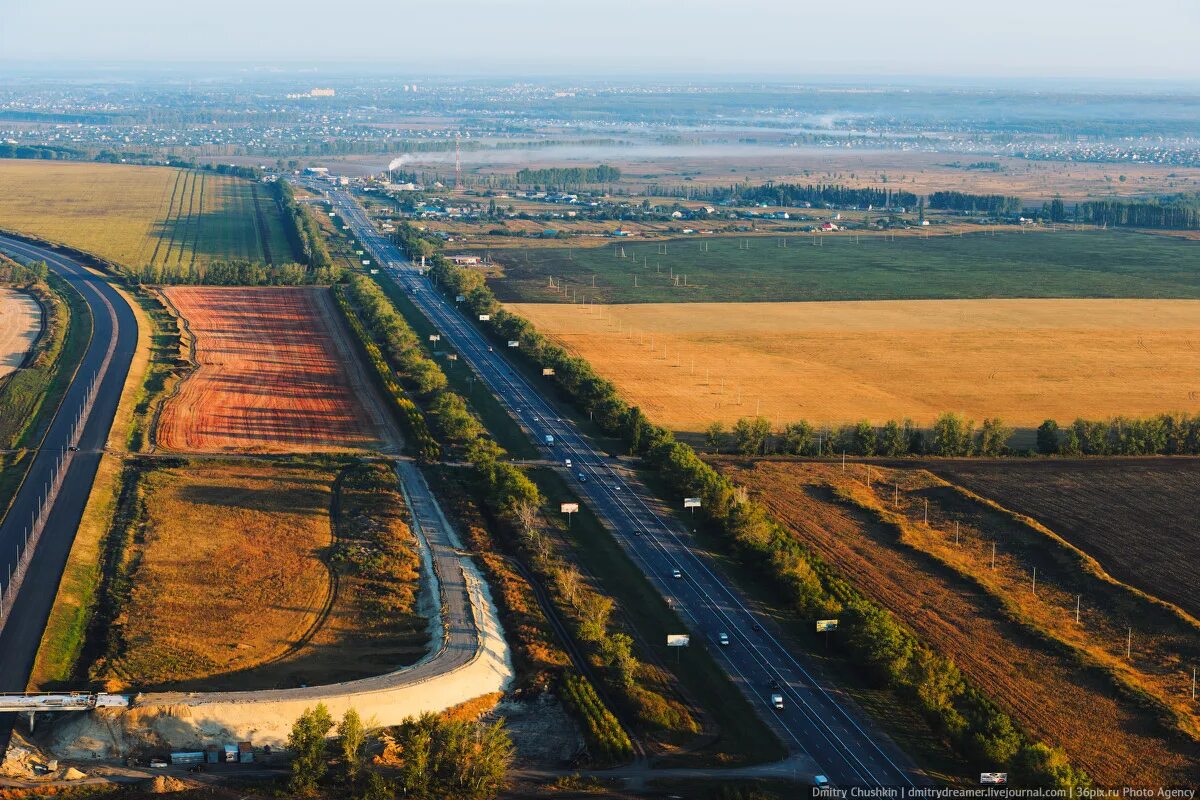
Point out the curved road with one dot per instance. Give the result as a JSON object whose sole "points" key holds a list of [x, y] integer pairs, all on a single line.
{"points": [[818, 719], [109, 353]]}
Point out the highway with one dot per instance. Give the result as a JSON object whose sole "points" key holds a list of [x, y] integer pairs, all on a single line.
{"points": [[817, 719], [107, 359]]}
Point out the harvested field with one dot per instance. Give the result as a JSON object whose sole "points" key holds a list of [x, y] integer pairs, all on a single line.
{"points": [[276, 374], [1024, 651], [1127, 513], [688, 365], [138, 216], [275, 592], [20, 324]]}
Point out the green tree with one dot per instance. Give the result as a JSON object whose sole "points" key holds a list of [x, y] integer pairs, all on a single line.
{"points": [[797, 438], [892, 441], [307, 744], [1047, 438], [351, 738], [951, 436], [993, 438]]}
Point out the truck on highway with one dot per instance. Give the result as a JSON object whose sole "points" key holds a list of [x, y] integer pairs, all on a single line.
{"points": [[777, 701]]}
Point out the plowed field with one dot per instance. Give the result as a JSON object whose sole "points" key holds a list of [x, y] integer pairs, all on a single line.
{"points": [[1050, 692], [276, 373]]}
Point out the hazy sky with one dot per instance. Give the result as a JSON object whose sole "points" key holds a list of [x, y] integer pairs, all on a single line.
{"points": [[787, 38]]}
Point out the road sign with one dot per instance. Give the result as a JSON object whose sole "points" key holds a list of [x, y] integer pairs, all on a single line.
{"points": [[435, 337], [569, 508], [485, 317], [458, 298], [548, 371], [513, 343], [691, 502], [452, 356], [358, 252], [826, 625], [366, 262], [374, 272], [678, 640]]}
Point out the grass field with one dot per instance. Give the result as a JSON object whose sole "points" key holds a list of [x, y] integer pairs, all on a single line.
{"points": [[1023, 650], [137, 216], [20, 324], [1032, 264], [687, 365], [273, 593], [1124, 512], [276, 374]]}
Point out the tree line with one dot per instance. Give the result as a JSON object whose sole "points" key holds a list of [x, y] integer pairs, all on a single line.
{"points": [[14, 273], [303, 233], [1181, 213], [794, 194], [44, 152], [1160, 435], [428, 757], [892, 654], [563, 177], [950, 435], [976, 203], [233, 273]]}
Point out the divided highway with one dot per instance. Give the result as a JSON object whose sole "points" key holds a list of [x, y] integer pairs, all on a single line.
{"points": [[817, 718], [107, 359]]}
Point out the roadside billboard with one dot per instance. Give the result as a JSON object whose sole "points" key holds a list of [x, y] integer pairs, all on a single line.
{"points": [[678, 640], [569, 508], [826, 625], [691, 502]]}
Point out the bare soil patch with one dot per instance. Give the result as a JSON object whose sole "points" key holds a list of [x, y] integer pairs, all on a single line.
{"points": [[20, 324], [275, 374]]}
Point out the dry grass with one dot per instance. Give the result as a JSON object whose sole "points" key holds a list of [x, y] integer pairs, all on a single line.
{"points": [[20, 323], [688, 365], [276, 374], [1024, 652], [227, 573]]}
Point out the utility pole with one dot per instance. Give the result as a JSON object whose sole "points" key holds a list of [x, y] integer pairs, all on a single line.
{"points": [[896, 499], [1035, 580], [956, 533], [1078, 600], [993, 555], [1129, 645], [927, 512]]}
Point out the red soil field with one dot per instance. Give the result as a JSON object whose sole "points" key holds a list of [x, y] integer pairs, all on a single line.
{"points": [[276, 374]]}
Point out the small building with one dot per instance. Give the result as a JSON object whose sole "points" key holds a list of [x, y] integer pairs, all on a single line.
{"points": [[465, 261], [212, 754], [245, 753], [828, 226]]}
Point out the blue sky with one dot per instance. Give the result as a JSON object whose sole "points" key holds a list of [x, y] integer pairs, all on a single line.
{"points": [[789, 39]]}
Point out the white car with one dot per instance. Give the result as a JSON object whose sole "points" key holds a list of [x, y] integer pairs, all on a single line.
{"points": [[820, 781], [675, 573], [723, 638], [777, 701]]}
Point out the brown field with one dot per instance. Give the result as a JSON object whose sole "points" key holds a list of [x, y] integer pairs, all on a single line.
{"points": [[20, 324], [1025, 652], [276, 373], [1127, 513], [690, 364], [261, 599]]}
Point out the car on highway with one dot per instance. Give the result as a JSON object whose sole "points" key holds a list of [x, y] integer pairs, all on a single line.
{"points": [[567, 463], [777, 701], [723, 638], [676, 573], [582, 478], [820, 781]]}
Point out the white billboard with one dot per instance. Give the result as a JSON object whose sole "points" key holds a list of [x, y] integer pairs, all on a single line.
{"points": [[691, 502], [513, 343], [435, 337], [678, 640], [485, 317], [548, 371], [569, 508]]}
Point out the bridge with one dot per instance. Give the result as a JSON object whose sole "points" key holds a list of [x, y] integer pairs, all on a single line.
{"points": [[71, 701]]}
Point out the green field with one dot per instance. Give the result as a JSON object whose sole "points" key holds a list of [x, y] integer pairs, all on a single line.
{"points": [[979, 265], [174, 220]]}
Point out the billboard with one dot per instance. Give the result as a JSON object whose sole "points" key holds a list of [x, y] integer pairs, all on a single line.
{"points": [[569, 508], [691, 502], [826, 625], [678, 640], [548, 370], [458, 298], [452, 356], [993, 778], [435, 337], [513, 343], [484, 317], [366, 261]]}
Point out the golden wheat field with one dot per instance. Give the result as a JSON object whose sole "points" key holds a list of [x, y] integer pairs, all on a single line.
{"points": [[136, 215], [690, 364]]}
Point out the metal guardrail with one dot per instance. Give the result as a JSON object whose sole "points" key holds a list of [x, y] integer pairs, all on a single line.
{"points": [[69, 701]]}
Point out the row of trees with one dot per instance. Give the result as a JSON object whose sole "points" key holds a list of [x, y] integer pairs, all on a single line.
{"points": [[14, 273], [39, 151], [976, 203], [794, 194], [303, 233], [564, 177], [895, 657], [435, 757], [950, 435], [1181, 213], [233, 273], [1161, 435]]}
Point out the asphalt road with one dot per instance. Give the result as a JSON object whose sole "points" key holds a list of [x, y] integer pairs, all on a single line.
{"points": [[817, 718], [114, 337]]}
